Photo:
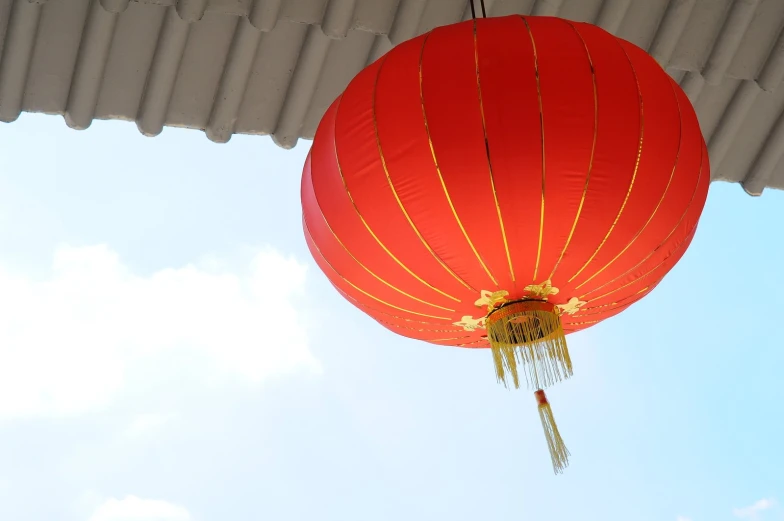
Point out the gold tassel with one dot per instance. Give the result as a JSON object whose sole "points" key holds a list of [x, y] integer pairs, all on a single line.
{"points": [[529, 333], [558, 451]]}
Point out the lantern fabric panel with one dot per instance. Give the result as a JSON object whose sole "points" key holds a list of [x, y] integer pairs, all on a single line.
{"points": [[524, 166]]}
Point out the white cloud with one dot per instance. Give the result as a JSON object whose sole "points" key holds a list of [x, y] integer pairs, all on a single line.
{"points": [[66, 343], [132, 508], [145, 424], [753, 511]]}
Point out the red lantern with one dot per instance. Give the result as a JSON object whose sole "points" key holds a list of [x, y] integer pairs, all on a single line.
{"points": [[503, 182]]}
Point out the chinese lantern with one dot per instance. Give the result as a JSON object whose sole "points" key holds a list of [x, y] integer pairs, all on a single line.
{"points": [[501, 183]]}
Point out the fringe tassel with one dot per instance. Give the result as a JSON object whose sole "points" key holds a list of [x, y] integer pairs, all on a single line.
{"points": [[558, 451], [529, 333]]}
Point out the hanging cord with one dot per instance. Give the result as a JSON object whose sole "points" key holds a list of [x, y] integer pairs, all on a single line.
{"points": [[473, 9]]}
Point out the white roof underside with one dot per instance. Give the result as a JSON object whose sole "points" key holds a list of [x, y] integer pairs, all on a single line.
{"points": [[274, 66]]}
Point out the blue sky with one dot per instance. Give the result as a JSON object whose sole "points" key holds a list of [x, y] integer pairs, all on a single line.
{"points": [[170, 352]]}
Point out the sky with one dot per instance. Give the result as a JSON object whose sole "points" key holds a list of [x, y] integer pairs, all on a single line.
{"points": [[170, 352]]}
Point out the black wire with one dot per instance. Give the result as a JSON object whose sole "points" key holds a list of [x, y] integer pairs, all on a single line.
{"points": [[473, 9]]}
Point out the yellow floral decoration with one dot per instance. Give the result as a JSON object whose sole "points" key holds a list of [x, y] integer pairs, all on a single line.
{"points": [[542, 290], [471, 324], [571, 307], [491, 299]]}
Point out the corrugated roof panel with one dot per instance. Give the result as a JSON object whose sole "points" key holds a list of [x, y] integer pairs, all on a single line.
{"points": [[5, 16], [375, 17], [696, 41], [54, 56], [751, 138], [130, 59], [302, 87], [440, 12], [200, 70], [231, 7], [776, 179], [758, 41], [712, 103], [587, 11], [345, 59], [641, 21], [311, 12], [273, 66]]}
